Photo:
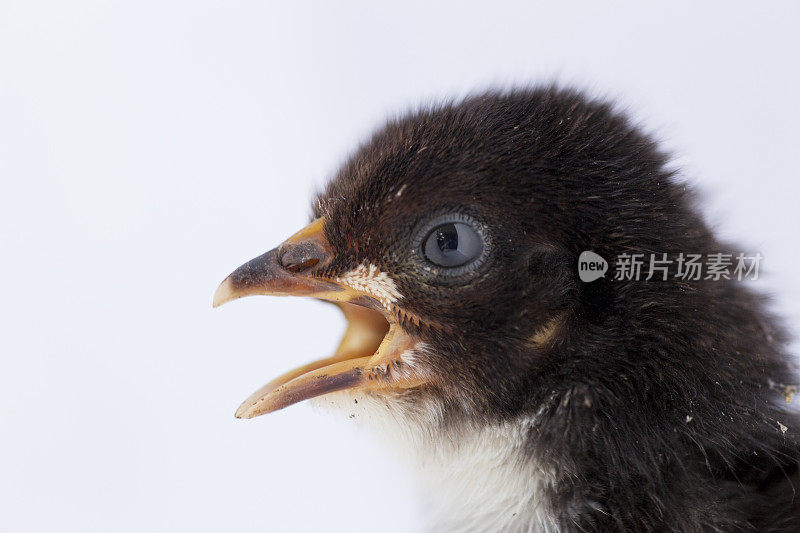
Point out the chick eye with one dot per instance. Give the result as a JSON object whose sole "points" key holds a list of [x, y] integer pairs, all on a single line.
{"points": [[452, 245], [456, 243]]}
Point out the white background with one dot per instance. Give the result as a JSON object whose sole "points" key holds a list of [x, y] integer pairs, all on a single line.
{"points": [[148, 148]]}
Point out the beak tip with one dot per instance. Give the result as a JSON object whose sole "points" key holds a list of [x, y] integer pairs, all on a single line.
{"points": [[224, 293], [243, 412]]}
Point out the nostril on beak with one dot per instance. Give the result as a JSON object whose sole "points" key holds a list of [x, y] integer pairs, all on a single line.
{"points": [[301, 256]]}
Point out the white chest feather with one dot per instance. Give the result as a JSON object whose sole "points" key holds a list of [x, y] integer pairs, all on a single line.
{"points": [[472, 478]]}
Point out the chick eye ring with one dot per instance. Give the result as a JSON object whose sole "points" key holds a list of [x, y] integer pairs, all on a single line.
{"points": [[452, 244]]}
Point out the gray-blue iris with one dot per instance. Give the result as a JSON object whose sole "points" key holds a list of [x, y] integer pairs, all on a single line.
{"points": [[453, 244]]}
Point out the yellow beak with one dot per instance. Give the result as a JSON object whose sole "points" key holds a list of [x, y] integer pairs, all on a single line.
{"points": [[375, 353]]}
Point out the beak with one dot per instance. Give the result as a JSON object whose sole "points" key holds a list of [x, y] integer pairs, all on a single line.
{"points": [[376, 353]]}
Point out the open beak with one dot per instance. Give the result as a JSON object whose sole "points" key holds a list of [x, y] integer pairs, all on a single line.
{"points": [[375, 354]]}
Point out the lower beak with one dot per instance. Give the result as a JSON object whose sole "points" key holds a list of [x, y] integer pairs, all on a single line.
{"points": [[375, 353]]}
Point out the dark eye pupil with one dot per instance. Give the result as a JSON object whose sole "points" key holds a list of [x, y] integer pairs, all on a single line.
{"points": [[447, 238]]}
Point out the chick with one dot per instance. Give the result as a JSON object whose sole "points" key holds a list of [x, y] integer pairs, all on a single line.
{"points": [[532, 400]]}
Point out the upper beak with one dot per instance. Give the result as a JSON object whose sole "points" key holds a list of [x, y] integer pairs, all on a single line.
{"points": [[374, 353]]}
